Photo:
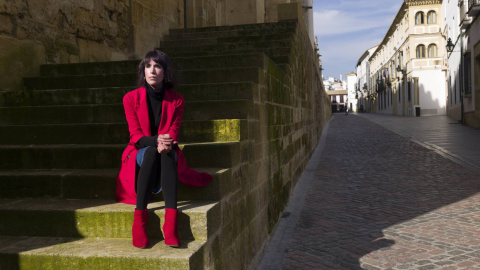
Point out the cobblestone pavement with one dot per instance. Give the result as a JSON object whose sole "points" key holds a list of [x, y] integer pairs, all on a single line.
{"points": [[458, 142], [378, 200]]}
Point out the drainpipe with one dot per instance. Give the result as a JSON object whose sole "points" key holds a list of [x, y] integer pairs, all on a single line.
{"points": [[462, 120], [184, 13]]}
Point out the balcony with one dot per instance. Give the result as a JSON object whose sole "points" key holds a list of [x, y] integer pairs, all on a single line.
{"points": [[473, 8], [465, 20]]}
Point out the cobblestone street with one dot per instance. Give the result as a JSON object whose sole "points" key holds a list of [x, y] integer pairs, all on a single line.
{"points": [[379, 200]]}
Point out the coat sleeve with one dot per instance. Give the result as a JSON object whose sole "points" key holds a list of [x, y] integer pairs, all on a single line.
{"points": [[177, 118], [132, 119]]}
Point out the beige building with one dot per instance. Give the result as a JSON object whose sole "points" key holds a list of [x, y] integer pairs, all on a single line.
{"points": [[407, 70], [338, 99], [35, 32], [463, 75]]}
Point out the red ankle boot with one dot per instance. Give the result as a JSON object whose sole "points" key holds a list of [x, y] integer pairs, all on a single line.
{"points": [[139, 229], [170, 228]]}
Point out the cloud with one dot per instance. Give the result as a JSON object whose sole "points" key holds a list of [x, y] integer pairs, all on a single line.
{"points": [[335, 22], [347, 28], [341, 57], [355, 5]]}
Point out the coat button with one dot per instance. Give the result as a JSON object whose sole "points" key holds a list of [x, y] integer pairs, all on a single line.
{"points": [[128, 156]]}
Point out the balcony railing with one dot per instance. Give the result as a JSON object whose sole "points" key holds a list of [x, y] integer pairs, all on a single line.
{"points": [[473, 2], [473, 7], [464, 12]]}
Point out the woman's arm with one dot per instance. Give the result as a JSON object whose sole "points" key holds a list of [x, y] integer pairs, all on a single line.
{"points": [[167, 140], [177, 119], [147, 141], [132, 119]]}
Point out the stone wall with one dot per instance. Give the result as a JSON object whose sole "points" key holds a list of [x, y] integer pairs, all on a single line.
{"points": [[34, 32], [289, 112]]}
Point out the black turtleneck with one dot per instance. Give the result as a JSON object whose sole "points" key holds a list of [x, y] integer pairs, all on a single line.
{"points": [[154, 101]]}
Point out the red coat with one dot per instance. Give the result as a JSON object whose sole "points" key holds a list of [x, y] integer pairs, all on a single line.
{"points": [[136, 112]]}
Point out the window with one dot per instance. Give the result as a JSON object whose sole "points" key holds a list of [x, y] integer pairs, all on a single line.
{"points": [[419, 18], [450, 89], [432, 50], [400, 92], [431, 17], [421, 51], [341, 99], [467, 73], [409, 85], [334, 99], [399, 60]]}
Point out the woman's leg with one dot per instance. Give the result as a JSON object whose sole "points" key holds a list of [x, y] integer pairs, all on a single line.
{"points": [[169, 179], [147, 176]]}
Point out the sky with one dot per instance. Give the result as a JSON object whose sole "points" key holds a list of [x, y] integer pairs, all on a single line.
{"points": [[345, 29]]}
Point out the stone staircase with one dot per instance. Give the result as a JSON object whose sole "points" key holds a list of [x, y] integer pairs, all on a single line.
{"points": [[61, 141]]}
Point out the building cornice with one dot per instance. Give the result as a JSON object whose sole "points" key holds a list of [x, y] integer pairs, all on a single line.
{"points": [[422, 2]]}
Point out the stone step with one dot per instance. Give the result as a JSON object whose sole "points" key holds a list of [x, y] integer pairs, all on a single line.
{"points": [[114, 113], [22, 252], [242, 27], [219, 61], [273, 38], [234, 48], [276, 54], [79, 81], [223, 130], [225, 75], [115, 67], [109, 95], [221, 75], [101, 218], [101, 156], [229, 33], [130, 67], [95, 184], [62, 114], [77, 96]]}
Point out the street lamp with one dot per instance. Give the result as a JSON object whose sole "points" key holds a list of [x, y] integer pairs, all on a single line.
{"points": [[450, 47], [379, 84]]}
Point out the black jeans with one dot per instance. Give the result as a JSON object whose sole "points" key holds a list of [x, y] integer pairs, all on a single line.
{"points": [[155, 171]]}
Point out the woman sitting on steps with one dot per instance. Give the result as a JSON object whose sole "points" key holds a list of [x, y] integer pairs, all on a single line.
{"points": [[152, 161]]}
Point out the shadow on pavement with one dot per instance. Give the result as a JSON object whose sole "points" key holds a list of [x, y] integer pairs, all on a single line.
{"points": [[370, 180]]}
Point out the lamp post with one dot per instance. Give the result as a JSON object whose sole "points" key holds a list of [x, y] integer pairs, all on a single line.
{"points": [[450, 48], [379, 81]]}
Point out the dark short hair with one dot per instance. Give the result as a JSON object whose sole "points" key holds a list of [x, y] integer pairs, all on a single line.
{"points": [[169, 81]]}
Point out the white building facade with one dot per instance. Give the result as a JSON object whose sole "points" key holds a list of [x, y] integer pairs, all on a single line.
{"points": [[407, 70], [462, 31], [363, 81], [352, 95]]}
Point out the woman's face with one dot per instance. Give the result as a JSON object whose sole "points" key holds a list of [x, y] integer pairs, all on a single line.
{"points": [[154, 74]]}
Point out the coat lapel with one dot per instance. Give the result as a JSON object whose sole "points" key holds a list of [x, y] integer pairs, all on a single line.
{"points": [[142, 112], [166, 114]]}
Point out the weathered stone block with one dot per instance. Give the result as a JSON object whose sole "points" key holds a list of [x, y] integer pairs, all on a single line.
{"points": [[18, 58]]}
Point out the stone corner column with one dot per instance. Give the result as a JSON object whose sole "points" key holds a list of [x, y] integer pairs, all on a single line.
{"points": [[289, 12]]}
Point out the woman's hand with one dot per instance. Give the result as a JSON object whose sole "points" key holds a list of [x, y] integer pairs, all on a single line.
{"points": [[164, 143]]}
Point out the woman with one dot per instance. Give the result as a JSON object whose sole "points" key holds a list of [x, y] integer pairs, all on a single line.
{"points": [[152, 161]]}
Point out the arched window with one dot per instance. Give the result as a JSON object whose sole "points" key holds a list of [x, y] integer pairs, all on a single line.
{"points": [[432, 50], [421, 51], [431, 17], [419, 18]]}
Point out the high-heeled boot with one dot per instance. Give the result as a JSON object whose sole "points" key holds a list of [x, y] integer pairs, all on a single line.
{"points": [[139, 229], [170, 228]]}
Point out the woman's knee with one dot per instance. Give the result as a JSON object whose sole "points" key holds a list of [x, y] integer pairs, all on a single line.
{"points": [[151, 154]]}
